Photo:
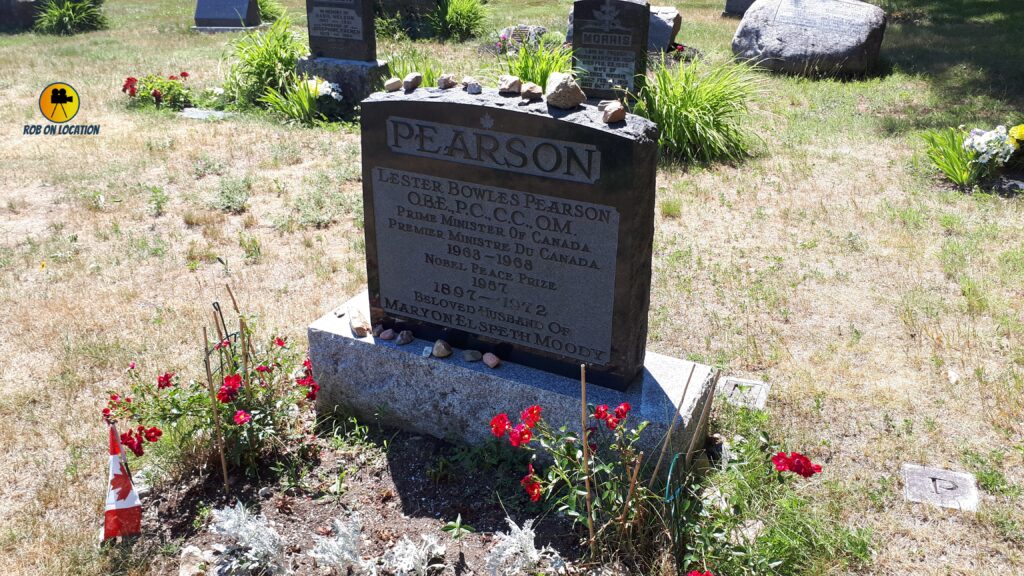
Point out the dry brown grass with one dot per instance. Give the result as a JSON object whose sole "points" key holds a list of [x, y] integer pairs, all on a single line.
{"points": [[819, 266]]}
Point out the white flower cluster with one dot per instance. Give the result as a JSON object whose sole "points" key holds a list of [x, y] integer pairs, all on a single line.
{"points": [[515, 553], [991, 145], [342, 550], [261, 545], [409, 559], [324, 88]]}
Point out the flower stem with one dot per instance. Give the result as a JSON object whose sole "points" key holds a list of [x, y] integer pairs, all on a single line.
{"points": [[586, 455]]}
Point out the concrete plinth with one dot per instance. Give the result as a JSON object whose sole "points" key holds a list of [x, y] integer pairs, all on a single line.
{"points": [[449, 398], [223, 29], [355, 77]]}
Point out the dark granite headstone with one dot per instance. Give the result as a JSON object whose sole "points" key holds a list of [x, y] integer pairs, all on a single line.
{"points": [[736, 8], [227, 13], [511, 228], [16, 15], [342, 29], [609, 41]]}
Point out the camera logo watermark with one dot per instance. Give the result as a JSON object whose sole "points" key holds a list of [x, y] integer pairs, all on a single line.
{"points": [[59, 103]]}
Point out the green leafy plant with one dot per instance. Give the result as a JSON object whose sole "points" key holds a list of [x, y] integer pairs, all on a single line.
{"points": [[271, 10], [158, 199], [157, 91], [702, 110], [298, 103], [233, 194], [412, 60], [535, 64], [945, 149], [458, 19], [457, 529], [67, 17], [263, 61]]}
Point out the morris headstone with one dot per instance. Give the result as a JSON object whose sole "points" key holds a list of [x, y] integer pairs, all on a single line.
{"points": [[841, 37], [518, 232], [609, 40], [343, 46], [212, 15]]}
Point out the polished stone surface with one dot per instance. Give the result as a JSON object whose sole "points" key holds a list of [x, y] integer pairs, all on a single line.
{"points": [[609, 42], [227, 14], [341, 29]]}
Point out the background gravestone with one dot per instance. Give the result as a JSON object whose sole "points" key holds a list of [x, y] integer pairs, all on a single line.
{"points": [[227, 14], [736, 8], [505, 229], [341, 29], [811, 36], [609, 41], [16, 15]]}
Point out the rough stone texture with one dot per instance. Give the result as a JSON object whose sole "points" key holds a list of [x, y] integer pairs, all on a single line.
{"points": [[614, 112], [841, 37], [472, 85], [412, 81], [375, 378], [945, 488], [522, 35], [393, 84], [357, 79], [665, 24], [227, 14], [16, 15], [593, 310], [446, 81], [531, 91], [342, 30], [609, 42], [509, 84], [736, 8], [747, 393], [563, 91]]}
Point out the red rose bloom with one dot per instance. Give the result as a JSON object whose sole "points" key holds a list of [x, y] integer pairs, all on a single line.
{"points": [[228, 391], [622, 410], [611, 422], [601, 412], [520, 436], [279, 342], [500, 425], [130, 86], [531, 485], [184, 75], [223, 344], [242, 417], [133, 441], [699, 573], [157, 95], [153, 434], [264, 368], [165, 380], [531, 416], [173, 78], [796, 463], [314, 388]]}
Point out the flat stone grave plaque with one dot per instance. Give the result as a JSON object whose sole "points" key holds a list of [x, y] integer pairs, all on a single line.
{"points": [[506, 227], [742, 392], [943, 488], [227, 13], [609, 41], [342, 29]]}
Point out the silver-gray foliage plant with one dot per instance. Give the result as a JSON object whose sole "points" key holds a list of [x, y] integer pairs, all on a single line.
{"points": [[410, 559], [516, 553], [341, 551], [260, 547]]}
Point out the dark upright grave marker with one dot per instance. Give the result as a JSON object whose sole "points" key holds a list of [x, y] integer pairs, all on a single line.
{"points": [[609, 43], [342, 29], [507, 229], [227, 13]]}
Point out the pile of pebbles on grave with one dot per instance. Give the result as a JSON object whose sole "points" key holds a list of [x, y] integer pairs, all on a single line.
{"points": [[562, 91], [360, 327]]}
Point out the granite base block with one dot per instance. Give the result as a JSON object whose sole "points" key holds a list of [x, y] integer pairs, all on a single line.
{"points": [[222, 29], [356, 78], [403, 386]]}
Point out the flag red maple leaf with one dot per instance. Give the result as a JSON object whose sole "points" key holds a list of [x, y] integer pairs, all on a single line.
{"points": [[122, 483]]}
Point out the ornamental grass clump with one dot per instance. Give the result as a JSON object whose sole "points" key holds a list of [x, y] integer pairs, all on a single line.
{"points": [[306, 101], [67, 17], [412, 60], [263, 61], [458, 19], [271, 10], [970, 158], [702, 110], [535, 63]]}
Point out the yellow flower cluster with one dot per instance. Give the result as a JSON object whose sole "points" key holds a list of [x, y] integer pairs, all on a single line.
{"points": [[1017, 135]]}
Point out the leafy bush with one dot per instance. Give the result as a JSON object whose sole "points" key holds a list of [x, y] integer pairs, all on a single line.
{"points": [[458, 19], [157, 91], [298, 103], [535, 64], [67, 17], [412, 60], [233, 194], [271, 10], [701, 110], [264, 60], [945, 149]]}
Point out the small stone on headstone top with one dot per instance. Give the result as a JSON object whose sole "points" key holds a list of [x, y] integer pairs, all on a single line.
{"points": [[509, 84], [945, 488], [377, 330], [563, 91], [393, 84], [359, 323], [446, 81], [471, 85], [531, 91], [412, 81], [442, 349], [491, 360], [388, 334], [426, 352], [471, 355], [614, 112], [404, 337]]}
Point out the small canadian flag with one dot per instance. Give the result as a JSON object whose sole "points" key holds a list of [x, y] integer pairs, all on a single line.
{"points": [[123, 513]]}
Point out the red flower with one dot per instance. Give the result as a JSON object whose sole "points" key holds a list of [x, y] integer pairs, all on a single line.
{"points": [[184, 75], [601, 412], [699, 573], [157, 95], [314, 388], [172, 77], [531, 485], [611, 422], [242, 417], [622, 410], [500, 425], [130, 86], [165, 380], [264, 368], [279, 342], [133, 441], [153, 434], [308, 365], [591, 445], [131, 365], [106, 415], [228, 391], [531, 416], [223, 344], [520, 435], [796, 463]]}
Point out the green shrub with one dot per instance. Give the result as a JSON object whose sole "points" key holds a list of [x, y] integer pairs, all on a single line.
{"points": [[535, 64], [271, 10], [945, 149], [412, 60], [263, 60], [701, 110], [233, 195], [67, 17], [298, 103], [458, 19]]}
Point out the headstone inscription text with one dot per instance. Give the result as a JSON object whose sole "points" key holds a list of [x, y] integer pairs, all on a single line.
{"points": [[840, 15], [341, 29], [504, 230], [227, 13], [610, 44]]}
